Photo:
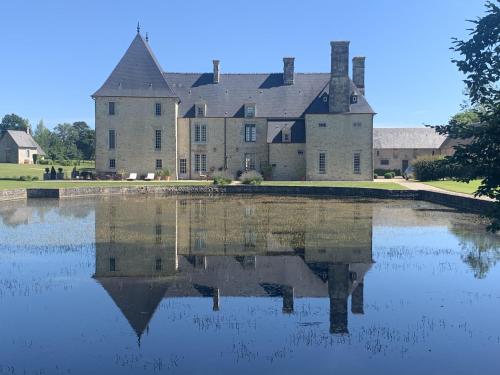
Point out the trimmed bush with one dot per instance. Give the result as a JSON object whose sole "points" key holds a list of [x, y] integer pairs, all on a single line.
{"points": [[44, 162], [251, 178], [375, 176], [382, 171], [388, 175], [431, 168], [222, 178]]}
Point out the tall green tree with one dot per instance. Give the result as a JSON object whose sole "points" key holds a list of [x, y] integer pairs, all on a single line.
{"points": [[42, 136], [480, 62], [14, 122], [85, 142]]}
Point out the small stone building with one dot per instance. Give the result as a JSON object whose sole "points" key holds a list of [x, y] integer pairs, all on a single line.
{"points": [[19, 147], [397, 148], [315, 126]]}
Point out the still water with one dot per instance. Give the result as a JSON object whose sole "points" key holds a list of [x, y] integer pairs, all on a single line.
{"points": [[246, 285]]}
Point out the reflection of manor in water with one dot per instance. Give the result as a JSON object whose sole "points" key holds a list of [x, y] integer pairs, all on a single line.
{"points": [[147, 250]]}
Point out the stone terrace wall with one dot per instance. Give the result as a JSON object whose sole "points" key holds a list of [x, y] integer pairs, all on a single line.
{"points": [[7, 195]]}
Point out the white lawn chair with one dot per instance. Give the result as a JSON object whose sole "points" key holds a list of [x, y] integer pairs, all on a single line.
{"points": [[149, 177], [132, 177]]}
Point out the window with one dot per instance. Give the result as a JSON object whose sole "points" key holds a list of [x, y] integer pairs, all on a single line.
{"points": [[158, 232], [28, 153], [159, 163], [200, 133], [112, 264], [158, 264], [322, 162], [249, 110], [112, 139], [111, 108], [158, 109], [250, 134], [249, 161], [285, 136], [378, 153], [112, 163], [300, 152], [357, 124], [384, 162], [356, 160], [182, 166], [200, 110], [200, 162], [157, 139], [322, 124]]}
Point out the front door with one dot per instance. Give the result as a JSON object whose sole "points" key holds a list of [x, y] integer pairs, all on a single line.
{"points": [[404, 166]]}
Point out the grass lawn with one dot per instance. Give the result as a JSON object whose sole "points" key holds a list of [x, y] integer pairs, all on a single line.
{"points": [[356, 184], [9, 184], [458, 187], [12, 171]]}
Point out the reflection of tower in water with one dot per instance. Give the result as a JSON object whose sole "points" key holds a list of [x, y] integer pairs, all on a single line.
{"points": [[150, 249]]}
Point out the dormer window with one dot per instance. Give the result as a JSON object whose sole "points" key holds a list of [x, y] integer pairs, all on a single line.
{"points": [[250, 110], [286, 136], [354, 98], [200, 110]]}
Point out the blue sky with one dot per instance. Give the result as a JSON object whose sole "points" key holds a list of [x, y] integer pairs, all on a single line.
{"points": [[56, 53]]}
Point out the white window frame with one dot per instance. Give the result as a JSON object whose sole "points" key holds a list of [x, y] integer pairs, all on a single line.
{"points": [[112, 145], [200, 133], [200, 163], [322, 164], [183, 166], [158, 139], [250, 133], [356, 162], [249, 161]]}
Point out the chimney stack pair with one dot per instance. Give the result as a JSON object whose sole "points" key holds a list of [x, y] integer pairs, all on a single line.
{"points": [[340, 85]]}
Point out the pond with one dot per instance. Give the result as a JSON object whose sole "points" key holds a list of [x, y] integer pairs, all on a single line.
{"points": [[246, 284]]}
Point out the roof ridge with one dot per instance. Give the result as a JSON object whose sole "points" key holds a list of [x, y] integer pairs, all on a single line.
{"points": [[230, 73]]}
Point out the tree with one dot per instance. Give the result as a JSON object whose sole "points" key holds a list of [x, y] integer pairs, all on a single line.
{"points": [[14, 122], [42, 136], [85, 142], [480, 62]]}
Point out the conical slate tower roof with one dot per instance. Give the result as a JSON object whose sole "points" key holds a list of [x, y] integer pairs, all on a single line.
{"points": [[137, 74], [136, 298]]}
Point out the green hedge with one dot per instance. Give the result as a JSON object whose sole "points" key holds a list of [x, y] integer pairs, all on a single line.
{"points": [[427, 169]]}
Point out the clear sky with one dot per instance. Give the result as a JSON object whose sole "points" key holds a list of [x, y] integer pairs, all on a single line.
{"points": [[56, 53]]}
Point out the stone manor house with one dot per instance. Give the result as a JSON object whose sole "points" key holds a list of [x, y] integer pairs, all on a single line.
{"points": [[314, 126]]}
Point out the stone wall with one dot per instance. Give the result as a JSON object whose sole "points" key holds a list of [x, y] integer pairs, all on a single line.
{"points": [[397, 155], [288, 161], [8, 150], [135, 123], [8, 195], [343, 135]]}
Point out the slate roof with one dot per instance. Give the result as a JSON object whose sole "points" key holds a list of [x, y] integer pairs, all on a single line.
{"points": [[137, 74], [297, 131], [24, 140], [272, 98], [406, 138]]}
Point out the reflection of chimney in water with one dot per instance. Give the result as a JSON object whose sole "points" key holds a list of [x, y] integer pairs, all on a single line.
{"points": [[357, 300], [338, 289], [216, 298], [287, 299]]}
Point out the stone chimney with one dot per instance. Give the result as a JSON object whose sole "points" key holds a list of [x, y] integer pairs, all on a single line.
{"points": [[216, 71], [358, 73], [288, 70], [340, 93]]}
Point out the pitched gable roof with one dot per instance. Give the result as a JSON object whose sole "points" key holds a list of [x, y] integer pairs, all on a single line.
{"points": [[24, 140], [407, 138], [271, 96], [137, 74]]}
